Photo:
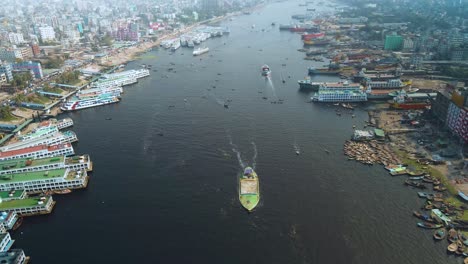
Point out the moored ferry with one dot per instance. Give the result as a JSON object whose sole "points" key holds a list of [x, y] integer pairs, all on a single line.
{"points": [[73, 105], [114, 90], [308, 84], [340, 92], [40, 151], [325, 71], [249, 189], [57, 138]]}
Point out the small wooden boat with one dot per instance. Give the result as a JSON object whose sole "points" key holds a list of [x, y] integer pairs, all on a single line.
{"points": [[465, 261], [428, 180], [429, 225], [452, 247], [422, 216], [416, 178], [18, 223], [440, 234], [439, 188], [415, 184], [452, 236], [425, 195], [65, 191]]}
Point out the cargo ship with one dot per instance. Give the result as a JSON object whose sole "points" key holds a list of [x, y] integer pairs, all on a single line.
{"points": [[317, 42], [200, 51], [249, 189], [78, 104], [413, 101], [266, 70]]}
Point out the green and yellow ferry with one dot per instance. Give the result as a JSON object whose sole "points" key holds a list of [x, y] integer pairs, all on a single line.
{"points": [[249, 189]]}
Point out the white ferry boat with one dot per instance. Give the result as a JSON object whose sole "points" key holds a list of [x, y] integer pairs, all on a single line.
{"points": [[39, 132], [117, 82], [340, 92], [37, 152], [113, 90], [126, 74], [57, 138], [200, 51], [89, 102]]}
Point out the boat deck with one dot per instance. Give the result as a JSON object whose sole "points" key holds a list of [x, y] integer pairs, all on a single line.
{"points": [[248, 186]]}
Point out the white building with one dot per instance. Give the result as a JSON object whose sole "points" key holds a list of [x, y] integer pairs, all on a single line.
{"points": [[15, 38], [47, 33]]}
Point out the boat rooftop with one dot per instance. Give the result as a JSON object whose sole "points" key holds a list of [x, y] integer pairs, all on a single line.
{"points": [[28, 202], [11, 194], [33, 176], [11, 256], [23, 163]]}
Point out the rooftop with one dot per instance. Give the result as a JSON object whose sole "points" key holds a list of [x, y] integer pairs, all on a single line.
{"points": [[32, 176], [28, 202], [11, 194], [23, 163], [11, 256]]}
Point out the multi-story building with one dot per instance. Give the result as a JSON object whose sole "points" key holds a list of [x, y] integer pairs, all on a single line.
{"points": [[47, 33], [459, 54], [127, 32], [35, 49], [441, 105], [10, 54], [6, 69], [15, 38], [35, 67], [3, 79], [408, 44], [393, 42]]}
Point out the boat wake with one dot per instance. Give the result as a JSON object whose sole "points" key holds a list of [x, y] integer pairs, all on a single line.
{"points": [[254, 159], [297, 149], [236, 151], [272, 86]]}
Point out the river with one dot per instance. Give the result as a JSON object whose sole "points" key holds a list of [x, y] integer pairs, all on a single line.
{"points": [[164, 186]]}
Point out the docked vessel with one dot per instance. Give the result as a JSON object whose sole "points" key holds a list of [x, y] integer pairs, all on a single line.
{"points": [[90, 102], [200, 51], [339, 92], [316, 42], [308, 36], [411, 101], [266, 70], [114, 90], [249, 189], [388, 84], [175, 45], [324, 71], [307, 84]]}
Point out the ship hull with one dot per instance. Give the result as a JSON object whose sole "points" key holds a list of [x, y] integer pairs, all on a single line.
{"points": [[405, 106]]}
